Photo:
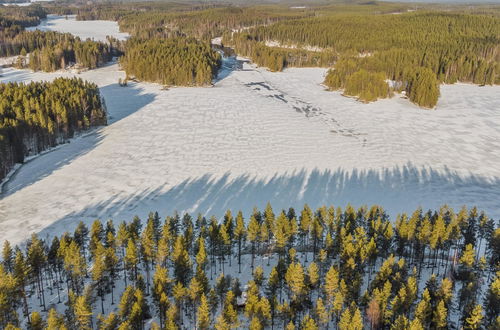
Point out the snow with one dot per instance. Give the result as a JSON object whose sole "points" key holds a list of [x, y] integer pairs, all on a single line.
{"points": [[96, 30], [7, 61], [275, 43], [256, 136]]}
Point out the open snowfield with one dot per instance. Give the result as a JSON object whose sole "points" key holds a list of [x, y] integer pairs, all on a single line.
{"points": [[255, 137], [96, 30]]}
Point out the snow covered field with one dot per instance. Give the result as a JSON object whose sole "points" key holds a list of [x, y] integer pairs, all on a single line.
{"points": [[97, 30], [254, 137]]}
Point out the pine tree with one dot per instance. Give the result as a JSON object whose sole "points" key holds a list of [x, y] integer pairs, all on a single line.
{"points": [[98, 270], [345, 320], [492, 301], [468, 256], [474, 319], [83, 313], [322, 314], [313, 275], [36, 322], [295, 279], [182, 262], [357, 320], [255, 324], [37, 259], [132, 259], [221, 324], [290, 326], [440, 317], [308, 323], [7, 256], [55, 321], [240, 233], [253, 231]]}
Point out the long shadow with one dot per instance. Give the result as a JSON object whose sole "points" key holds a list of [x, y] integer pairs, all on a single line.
{"points": [[398, 189], [229, 64], [120, 101]]}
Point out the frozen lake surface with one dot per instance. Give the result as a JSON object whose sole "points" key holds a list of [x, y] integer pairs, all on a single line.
{"points": [[255, 137], [96, 30]]}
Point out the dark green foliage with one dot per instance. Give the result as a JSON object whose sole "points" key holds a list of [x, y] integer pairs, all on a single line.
{"points": [[148, 20], [278, 58], [49, 50], [367, 86], [174, 61], [422, 87], [452, 46], [39, 115]]}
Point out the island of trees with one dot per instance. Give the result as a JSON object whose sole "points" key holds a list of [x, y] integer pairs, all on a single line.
{"points": [[306, 269], [174, 61], [40, 115]]}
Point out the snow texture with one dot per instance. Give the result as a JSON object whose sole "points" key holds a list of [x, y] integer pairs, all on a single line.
{"points": [[96, 30], [254, 137]]}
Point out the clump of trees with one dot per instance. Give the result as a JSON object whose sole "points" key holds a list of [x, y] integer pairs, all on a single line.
{"points": [[306, 269], [277, 58], [174, 61], [367, 86], [39, 115]]}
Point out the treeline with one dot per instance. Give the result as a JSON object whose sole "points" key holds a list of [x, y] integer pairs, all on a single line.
{"points": [[200, 21], [49, 50], [21, 16], [276, 58], [453, 46], [39, 115], [173, 61], [349, 268]]}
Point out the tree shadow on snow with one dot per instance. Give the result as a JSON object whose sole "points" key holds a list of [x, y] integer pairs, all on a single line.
{"points": [[398, 189]]}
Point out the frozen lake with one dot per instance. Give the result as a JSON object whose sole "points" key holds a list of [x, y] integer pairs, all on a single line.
{"points": [[96, 30], [255, 137]]}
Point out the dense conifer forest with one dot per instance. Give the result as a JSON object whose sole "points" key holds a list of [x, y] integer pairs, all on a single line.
{"points": [[372, 47], [49, 51], [39, 115], [373, 41], [147, 20], [173, 61], [309, 269]]}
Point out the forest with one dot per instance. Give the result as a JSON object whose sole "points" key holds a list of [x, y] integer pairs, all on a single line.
{"points": [[364, 45], [174, 61], [416, 50], [40, 115], [48, 50], [201, 21], [290, 269]]}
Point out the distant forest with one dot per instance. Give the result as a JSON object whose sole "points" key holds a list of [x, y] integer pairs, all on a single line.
{"points": [[346, 269], [39, 115], [415, 50], [47, 50], [364, 45]]}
